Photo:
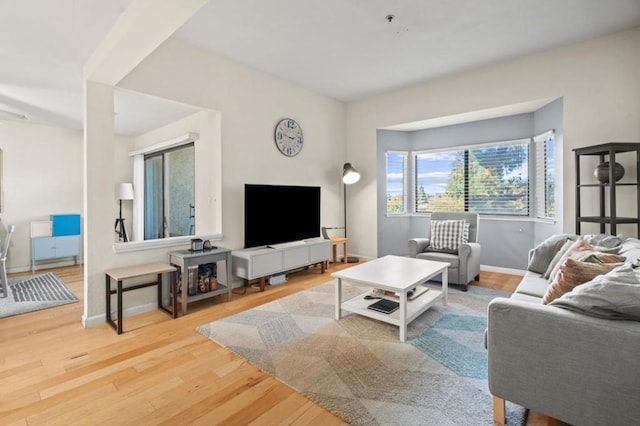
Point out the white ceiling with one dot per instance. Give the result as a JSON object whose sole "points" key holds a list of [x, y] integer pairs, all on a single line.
{"points": [[343, 49]]}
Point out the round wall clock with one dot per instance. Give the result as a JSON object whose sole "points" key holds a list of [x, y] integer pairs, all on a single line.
{"points": [[288, 136]]}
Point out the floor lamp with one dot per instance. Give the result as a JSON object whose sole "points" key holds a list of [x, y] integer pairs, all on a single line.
{"points": [[350, 175], [124, 192]]}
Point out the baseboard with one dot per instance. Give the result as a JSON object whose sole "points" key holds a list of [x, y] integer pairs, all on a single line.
{"points": [[134, 310], [502, 270], [44, 265], [138, 309]]}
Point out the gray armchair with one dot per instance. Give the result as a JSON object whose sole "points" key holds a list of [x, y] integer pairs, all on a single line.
{"points": [[465, 262]]}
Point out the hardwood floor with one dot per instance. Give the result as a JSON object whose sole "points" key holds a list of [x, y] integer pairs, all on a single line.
{"points": [[160, 371]]}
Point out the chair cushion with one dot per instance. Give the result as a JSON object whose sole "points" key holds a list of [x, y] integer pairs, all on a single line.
{"points": [[453, 259], [448, 234]]}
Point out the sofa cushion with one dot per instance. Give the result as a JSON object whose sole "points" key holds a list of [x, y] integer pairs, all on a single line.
{"points": [[572, 273], [448, 234], [526, 298], [533, 284], [544, 252], [615, 296]]}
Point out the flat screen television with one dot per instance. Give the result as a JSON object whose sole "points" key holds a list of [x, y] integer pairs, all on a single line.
{"points": [[276, 214]]}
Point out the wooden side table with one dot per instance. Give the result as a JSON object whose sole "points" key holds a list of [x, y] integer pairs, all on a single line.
{"points": [[185, 259], [334, 245], [120, 274]]}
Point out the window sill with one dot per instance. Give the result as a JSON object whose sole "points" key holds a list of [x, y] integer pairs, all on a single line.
{"points": [[161, 243]]}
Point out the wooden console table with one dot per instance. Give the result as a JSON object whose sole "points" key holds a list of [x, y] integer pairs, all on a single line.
{"points": [[129, 272]]}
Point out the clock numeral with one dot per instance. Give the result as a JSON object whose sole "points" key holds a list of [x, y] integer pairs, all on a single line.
{"points": [[279, 135]]}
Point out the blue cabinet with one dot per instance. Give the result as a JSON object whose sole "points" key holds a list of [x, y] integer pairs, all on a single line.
{"points": [[65, 224], [57, 238]]}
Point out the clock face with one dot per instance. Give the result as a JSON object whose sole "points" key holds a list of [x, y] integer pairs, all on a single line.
{"points": [[288, 135]]}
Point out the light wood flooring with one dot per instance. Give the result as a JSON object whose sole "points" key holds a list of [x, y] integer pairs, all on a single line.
{"points": [[160, 371]]}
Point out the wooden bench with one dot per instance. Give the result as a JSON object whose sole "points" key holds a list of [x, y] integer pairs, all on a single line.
{"points": [[119, 275]]}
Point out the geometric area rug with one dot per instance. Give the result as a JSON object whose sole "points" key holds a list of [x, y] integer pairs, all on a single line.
{"points": [[33, 293], [358, 369]]}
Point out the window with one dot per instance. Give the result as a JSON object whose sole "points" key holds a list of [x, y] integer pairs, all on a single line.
{"points": [[164, 189], [487, 179], [169, 193], [544, 175], [396, 188]]}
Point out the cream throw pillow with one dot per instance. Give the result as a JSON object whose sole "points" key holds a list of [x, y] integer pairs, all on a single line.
{"points": [[556, 258]]}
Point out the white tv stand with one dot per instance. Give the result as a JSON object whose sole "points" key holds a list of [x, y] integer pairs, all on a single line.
{"points": [[261, 262], [285, 245]]}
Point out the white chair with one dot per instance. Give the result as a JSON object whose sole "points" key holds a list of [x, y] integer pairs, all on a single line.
{"points": [[3, 260]]}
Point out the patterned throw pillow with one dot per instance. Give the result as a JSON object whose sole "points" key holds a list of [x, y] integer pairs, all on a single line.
{"points": [[448, 234], [572, 273]]}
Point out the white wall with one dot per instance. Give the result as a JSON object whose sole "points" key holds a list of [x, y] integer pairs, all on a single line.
{"points": [[250, 104], [598, 79], [42, 175]]}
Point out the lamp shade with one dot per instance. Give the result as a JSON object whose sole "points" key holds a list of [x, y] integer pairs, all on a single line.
{"points": [[350, 174], [124, 191]]}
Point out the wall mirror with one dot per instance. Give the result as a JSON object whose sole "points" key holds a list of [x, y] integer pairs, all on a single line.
{"points": [[162, 148]]}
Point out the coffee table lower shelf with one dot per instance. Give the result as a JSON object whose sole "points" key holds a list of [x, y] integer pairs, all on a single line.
{"points": [[359, 305]]}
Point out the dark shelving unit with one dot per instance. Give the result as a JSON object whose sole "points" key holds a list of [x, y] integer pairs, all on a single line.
{"points": [[607, 152]]}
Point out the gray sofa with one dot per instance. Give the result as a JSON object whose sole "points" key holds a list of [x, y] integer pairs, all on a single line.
{"points": [[572, 366]]}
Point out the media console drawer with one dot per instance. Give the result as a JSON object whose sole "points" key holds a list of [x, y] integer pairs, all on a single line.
{"points": [[265, 263], [296, 256]]}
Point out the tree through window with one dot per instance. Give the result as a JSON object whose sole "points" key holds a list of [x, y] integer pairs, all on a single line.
{"points": [[489, 179]]}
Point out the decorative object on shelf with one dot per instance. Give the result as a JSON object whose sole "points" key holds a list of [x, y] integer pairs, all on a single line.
{"points": [[288, 136], [124, 191], [197, 244], [602, 172], [213, 283], [350, 175]]}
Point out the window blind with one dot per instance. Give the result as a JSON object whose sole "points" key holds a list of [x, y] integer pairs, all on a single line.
{"points": [[544, 175]]}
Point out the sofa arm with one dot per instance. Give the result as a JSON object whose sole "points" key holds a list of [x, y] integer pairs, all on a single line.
{"points": [[417, 245], [575, 368]]}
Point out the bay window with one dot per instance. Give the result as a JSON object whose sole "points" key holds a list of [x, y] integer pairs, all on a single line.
{"points": [[487, 179]]}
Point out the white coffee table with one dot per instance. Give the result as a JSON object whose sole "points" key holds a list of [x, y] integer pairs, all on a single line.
{"points": [[396, 274]]}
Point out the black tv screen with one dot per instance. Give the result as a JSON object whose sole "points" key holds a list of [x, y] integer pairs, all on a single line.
{"points": [[275, 214]]}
